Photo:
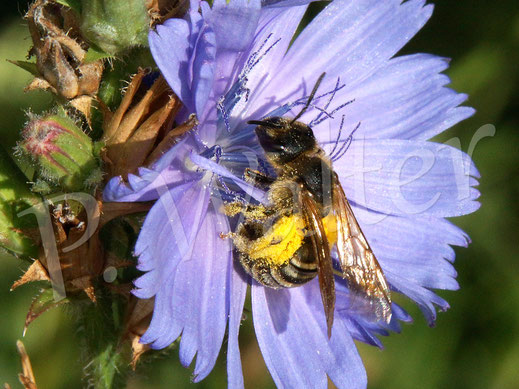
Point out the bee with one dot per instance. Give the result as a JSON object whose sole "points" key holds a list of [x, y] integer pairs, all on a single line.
{"points": [[289, 242]]}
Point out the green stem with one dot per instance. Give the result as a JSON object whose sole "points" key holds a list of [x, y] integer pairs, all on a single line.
{"points": [[100, 327]]}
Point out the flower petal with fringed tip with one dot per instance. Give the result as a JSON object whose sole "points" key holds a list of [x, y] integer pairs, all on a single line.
{"points": [[234, 62]]}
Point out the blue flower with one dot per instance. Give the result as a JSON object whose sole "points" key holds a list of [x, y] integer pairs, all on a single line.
{"points": [[235, 62]]}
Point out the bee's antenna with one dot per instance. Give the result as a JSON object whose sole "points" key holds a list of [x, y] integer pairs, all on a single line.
{"points": [[267, 122], [310, 98], [258, 122]]}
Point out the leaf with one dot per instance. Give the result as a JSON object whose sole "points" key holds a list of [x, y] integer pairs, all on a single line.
{"points": [[93, 54], [15, 197], [26, 65], [73, 4], [43, 302]]}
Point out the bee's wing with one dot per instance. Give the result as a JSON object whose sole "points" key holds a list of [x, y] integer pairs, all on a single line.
{"points": [[312, 218], [358, 263]]}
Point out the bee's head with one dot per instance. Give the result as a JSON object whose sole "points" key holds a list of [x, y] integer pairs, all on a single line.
{"points": [[282, 139]]}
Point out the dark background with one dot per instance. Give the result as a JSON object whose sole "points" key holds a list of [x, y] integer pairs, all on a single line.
{"points": [[474, 345]]}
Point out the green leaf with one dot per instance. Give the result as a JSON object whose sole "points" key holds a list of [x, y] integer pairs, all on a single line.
{"points": [[93, 54], [15, 197], [25, 65], [73, 4], [43, 302]]}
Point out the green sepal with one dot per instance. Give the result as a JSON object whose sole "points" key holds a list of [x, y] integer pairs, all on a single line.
{"points": [[15, 197], [26, 65], [73, 4], [42, 302], [98, 147], [94, 54]]}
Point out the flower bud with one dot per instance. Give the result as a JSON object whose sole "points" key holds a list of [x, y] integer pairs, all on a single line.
{"points": [[115, 25], [132, 131], [63, 153], [62, 65]]}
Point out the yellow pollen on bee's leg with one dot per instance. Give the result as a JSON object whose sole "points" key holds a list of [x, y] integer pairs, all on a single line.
{"points": [[330, 228], [281, 242]]}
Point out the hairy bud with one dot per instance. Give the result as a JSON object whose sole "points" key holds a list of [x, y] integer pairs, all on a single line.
{"points": [[63, 153], [115, 25]]}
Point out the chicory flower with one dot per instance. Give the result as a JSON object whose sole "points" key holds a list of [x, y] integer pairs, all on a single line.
{"points": [[235, 62]]}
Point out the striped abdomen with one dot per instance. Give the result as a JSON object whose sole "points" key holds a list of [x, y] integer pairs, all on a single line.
{"points": [[299, 269]]}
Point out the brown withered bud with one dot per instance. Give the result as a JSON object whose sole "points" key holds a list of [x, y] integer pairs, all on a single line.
{"points": [[137, 321], [82, 264], [60, 55], [141, 125], [26, 377], [160, 10]]}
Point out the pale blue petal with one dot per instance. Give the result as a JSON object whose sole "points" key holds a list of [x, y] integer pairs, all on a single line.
{"points": [[167, 234], [416, 248], [166, 238], [233, 22], [171, 50], [401, 177], [207, 164], [185, 52], [276, 29], [169, 171], [203, 58], [426, 299], [292, 335], [406, 99], [200, 299], [283, 3], [350, 40], [364, 330], [237, 292]]}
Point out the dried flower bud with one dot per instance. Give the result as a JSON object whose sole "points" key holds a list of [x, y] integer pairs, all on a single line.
{"points": [[60, 55], [63, 154], [138, 320], [132, 132], [26, 377]]}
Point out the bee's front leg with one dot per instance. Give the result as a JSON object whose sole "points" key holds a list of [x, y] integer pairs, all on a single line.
{"points": [[258, 178], [249, 211]]}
